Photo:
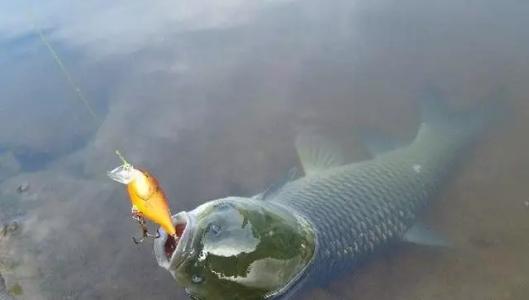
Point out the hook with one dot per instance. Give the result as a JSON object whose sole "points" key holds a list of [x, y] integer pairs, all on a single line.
{"points": [[144, 230]]}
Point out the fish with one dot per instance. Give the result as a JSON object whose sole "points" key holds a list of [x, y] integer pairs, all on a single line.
{"points": [[309, 230], [146, 196]]}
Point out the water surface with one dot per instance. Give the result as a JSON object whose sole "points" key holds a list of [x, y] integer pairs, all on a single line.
{"points": [[209, 96]]}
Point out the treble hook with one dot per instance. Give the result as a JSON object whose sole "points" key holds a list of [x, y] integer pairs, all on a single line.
{"points": [[144, 230]]}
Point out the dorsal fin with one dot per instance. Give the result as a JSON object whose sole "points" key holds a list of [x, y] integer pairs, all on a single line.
{"points": [[317, 153]]}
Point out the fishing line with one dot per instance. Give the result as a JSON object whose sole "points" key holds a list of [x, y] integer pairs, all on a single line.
{"points": [[67, 75], [71, 82]]}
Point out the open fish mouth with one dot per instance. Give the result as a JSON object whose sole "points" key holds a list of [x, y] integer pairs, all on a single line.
{"points": [[171, 251]]}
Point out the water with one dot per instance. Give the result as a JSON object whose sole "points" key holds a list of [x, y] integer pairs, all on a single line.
{"points": [[210, 96]]}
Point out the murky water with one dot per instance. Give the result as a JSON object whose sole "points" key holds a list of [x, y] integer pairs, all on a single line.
{"points": [[210, 96]]}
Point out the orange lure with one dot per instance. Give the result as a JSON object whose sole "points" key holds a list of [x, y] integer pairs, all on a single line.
{"points": [[147, 198]]}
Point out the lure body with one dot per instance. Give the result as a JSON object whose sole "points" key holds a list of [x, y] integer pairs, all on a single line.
{"points": [[147, 197]]}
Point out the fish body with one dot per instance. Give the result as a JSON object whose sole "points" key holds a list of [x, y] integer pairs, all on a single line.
{"points": [[359, 208], [321, 225]]}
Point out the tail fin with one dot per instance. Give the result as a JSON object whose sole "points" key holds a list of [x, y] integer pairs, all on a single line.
{"points": [[436, 115]]}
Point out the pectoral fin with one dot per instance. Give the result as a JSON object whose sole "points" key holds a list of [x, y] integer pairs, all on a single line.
{"points": [[419, 234]]}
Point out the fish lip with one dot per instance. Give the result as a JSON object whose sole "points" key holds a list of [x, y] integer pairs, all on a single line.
{"points": [[184, 245]]}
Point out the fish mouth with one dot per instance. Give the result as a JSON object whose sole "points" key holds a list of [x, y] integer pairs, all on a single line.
{"points": [[171, 252]]}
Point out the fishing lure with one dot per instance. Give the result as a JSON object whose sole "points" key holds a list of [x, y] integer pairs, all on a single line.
{"points": [[147, 198]]}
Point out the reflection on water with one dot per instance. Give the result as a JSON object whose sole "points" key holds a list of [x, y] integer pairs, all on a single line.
{"points": [[209, 97]]}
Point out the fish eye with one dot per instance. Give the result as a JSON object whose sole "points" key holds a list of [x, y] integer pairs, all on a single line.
{"points": [[214, 229]]}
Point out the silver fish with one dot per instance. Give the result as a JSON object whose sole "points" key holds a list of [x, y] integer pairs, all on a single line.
{"points": [[310, 230]]}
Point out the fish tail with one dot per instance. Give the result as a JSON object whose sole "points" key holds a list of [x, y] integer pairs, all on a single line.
{"points": [[437, 116]]}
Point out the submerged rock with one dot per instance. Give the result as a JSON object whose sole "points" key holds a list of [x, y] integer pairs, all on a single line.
{"points": [[23, 187]]}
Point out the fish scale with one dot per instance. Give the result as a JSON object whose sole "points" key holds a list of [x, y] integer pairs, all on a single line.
{"points": [[357, 208]]}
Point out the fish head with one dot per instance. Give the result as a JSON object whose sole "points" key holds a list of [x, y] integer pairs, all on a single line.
{"points": [[236, 248]]}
